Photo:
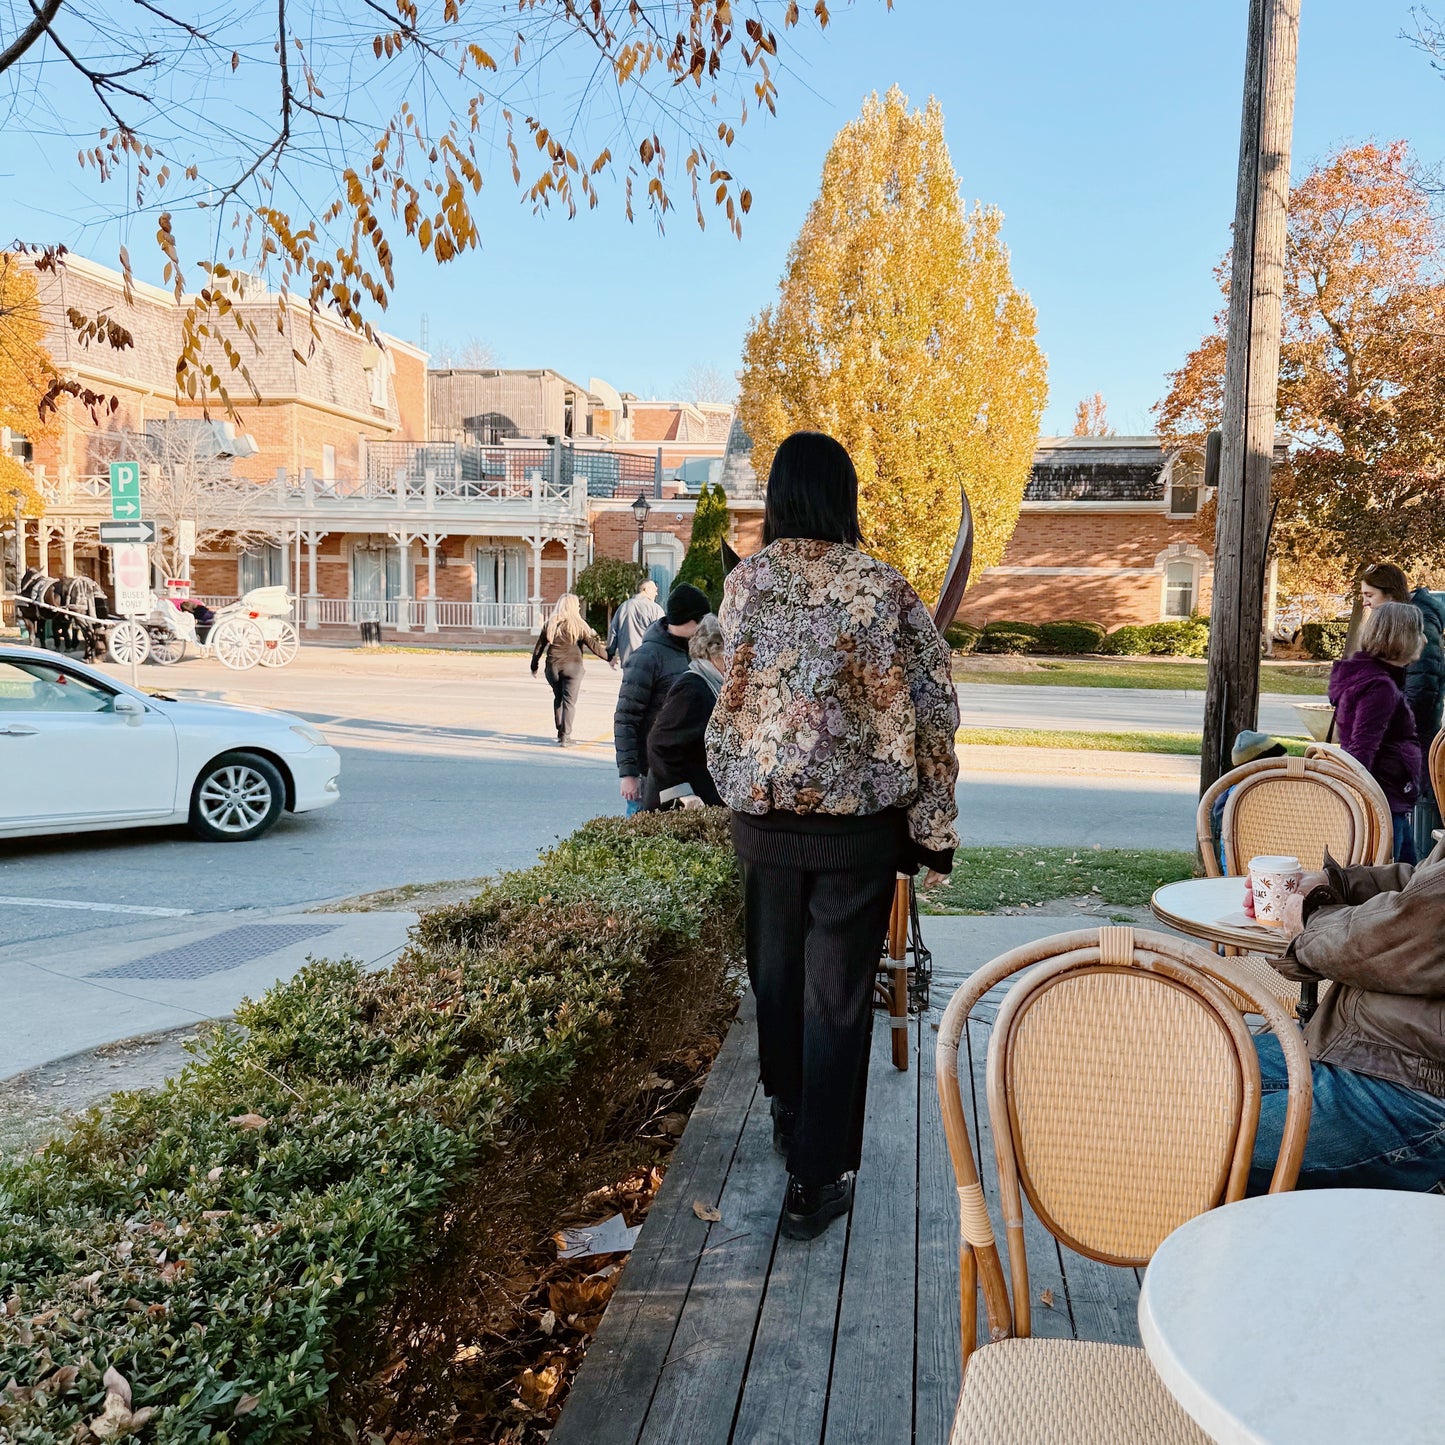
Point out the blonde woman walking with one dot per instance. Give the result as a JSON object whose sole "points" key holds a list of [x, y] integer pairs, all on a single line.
{"points": [[562, 639]]}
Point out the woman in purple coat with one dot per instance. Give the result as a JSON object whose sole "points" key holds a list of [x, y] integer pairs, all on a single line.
{"points": [[1373, 722]]}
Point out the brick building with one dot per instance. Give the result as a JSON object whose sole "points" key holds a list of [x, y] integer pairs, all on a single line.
{"points": [[1108, 532], [455, 501]]}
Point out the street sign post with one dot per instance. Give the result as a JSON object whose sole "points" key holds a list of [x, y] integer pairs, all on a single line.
{"points": [[186, 537], [125, 491], [113, 534], [131, 568]]}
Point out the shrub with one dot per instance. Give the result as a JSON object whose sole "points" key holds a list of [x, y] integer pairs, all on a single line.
{"points": [[1325, 641], [961, 636], [1189, 637], [1069, 638], [217, 1241], [1008, 637]]}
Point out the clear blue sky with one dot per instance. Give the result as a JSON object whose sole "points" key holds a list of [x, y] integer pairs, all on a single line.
{"points": [[1107, 133]]}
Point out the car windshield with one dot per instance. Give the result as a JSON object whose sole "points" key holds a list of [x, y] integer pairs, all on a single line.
{"points": [[27, 686]]}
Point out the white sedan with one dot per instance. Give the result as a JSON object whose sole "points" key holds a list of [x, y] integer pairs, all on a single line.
{"points": [[80, 751]]}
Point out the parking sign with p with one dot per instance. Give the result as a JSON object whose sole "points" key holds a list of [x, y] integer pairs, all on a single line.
{"points": [[124, 490]]}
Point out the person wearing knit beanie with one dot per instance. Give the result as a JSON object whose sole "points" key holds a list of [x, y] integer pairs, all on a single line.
{"points": [[685, 604]]}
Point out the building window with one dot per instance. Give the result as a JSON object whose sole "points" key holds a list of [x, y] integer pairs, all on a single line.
{"points": [[1179, 588], [501, 575], [259, 567], [375, 573], [377, 365], [328, 463], [1186, 481]]}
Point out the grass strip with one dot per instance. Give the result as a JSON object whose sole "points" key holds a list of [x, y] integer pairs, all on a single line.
{"points": [[1179, 744], [987, 879], [1161, 676]]}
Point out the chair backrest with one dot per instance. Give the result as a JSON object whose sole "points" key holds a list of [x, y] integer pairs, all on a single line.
{"points": [[1296, 806], [1337, 763], [1123, 1097]]}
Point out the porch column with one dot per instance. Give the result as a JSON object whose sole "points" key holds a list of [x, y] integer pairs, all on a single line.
{"points": [[21, 549], [313, 541], [537, 543], [403, 542], [69, 530], [42, 537], [431, 540]]}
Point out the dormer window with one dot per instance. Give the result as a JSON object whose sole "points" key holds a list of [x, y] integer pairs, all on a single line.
{"points": [[1186, 484]]}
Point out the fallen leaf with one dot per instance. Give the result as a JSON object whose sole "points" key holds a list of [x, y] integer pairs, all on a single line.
{"points": [[1046, 1298], [674, 1124], [706, 1212], [246, 1404], [58, 1381], [249, 1121], [537, 1388], [215, 1213], [214, 1174], [116, 1384], [548, 1322]]}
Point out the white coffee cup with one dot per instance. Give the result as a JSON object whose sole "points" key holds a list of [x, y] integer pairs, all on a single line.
{"points": [[1273, 880]]}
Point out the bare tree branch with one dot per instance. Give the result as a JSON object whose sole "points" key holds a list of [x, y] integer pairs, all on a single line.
{"points": [[29, 35]]}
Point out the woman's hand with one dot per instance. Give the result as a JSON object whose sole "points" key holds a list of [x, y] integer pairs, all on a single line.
{"points": [[934, 879]]}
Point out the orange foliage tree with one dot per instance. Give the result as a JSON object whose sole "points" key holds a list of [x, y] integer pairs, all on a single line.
{"points": [[1091, 417], [316, 136], [25, 372], [1362, 372]]}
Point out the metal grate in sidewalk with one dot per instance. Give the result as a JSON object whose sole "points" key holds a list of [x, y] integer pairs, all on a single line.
{"points": [[228, 949]]}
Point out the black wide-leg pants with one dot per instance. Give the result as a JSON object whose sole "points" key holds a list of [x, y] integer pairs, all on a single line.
{"points": [[566, 689], [814, 939]]}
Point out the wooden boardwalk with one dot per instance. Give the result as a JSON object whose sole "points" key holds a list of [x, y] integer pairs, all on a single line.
{"points": [[729, 1334]]}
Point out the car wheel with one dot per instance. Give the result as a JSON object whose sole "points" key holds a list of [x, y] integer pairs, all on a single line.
{"points": [[237, 796]]}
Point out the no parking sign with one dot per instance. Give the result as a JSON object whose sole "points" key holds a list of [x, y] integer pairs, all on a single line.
{"points": [[132, 567]]}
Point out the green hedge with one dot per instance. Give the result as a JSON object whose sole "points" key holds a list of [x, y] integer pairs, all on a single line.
{"points": [[961, 637], [218, 1240], [1061, 639], [1000, 637], [1325, 641], [1189, 637]]}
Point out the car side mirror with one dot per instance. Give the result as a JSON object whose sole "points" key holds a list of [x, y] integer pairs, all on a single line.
{"points": [[130, 708]]}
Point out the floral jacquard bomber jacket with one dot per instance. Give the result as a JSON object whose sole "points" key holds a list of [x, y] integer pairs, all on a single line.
{"points": [[837, 692]]}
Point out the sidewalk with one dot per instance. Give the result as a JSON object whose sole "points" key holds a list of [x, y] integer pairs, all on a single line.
{"points": [[81, 990]]}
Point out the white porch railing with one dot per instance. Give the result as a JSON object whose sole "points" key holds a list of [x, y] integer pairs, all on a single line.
{"points": [[474, 616], [479, 616]]}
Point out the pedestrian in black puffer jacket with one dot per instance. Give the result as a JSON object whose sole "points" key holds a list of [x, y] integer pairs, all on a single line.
{"points": [[1425, 680], [646, 680], [677, 743]]}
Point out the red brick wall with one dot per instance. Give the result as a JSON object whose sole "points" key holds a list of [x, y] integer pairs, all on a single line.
{"points": [[1084, 539], [614, 534]]}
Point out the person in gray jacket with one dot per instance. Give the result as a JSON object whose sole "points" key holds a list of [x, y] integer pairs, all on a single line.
{"points": [[631, 621]]}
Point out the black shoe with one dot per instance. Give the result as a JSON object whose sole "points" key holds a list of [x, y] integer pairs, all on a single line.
{"points": [[784, 1122], [808, 1212]]}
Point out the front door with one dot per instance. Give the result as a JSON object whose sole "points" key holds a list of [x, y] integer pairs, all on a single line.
{"points": [[66, 756]]}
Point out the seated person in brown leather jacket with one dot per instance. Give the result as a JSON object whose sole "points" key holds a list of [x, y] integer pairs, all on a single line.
{"points": [[1377, 1043]]}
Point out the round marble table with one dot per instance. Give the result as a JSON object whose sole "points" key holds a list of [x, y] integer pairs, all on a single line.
{"points": [[1312, 1318], [1200, 908]]}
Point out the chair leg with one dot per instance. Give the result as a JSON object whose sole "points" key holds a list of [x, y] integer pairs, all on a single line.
{"points": [[898, 970]]}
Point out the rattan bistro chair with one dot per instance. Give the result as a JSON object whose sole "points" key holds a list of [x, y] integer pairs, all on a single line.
{"points": [[1436, 767], [1302, 807], [1352, 772], [1123, 1097]]}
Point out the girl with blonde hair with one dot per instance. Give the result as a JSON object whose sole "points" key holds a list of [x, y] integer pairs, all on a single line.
{"points": [[562, 639]]}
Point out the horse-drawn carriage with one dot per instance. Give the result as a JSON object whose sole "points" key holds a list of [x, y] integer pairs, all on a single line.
{"points": [[72, 614]]}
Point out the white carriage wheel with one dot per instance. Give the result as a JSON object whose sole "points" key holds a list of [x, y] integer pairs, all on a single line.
{"points": [[282, 647], [167, 648], [128, 642], [238, 643]]}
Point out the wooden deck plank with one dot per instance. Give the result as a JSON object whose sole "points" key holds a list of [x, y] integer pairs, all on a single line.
{"points": [[702, 1377], [937, 1368], [1103, 1299], [613, 1390], [785, 1395], [871, 1392]]}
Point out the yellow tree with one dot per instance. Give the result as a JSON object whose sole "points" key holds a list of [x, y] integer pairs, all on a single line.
{"points": [[25, 373], [1362, 373], [898, 329]]}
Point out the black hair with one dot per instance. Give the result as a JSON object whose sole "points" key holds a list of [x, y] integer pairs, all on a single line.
{"points": [[812, 491]]}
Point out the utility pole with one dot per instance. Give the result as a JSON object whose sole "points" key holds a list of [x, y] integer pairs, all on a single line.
{"points": [[1251, 378]]}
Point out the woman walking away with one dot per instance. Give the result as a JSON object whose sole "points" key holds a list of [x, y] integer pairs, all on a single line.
{"points": [[562, 639], [833, 743], [677, 745], [1373, 721]]}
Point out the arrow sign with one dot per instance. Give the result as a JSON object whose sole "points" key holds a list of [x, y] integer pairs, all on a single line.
{"points": [[113, 534], [124, 490]]}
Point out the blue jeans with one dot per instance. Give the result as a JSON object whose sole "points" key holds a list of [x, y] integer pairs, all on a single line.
{"points": [[1404, 837], [1365, 1133], [633, 805]]}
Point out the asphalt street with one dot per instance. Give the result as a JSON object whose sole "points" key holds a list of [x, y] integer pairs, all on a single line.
{"points": [[448, 773]]}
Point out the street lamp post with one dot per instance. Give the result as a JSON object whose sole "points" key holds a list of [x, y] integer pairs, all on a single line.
{"points": [[640, 510]]}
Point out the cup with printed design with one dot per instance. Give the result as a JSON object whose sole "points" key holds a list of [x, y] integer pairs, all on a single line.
{"points": [[1272, 881]]}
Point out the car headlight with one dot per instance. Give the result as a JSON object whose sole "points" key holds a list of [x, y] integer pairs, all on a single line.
{"points": [[314, 736]]}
